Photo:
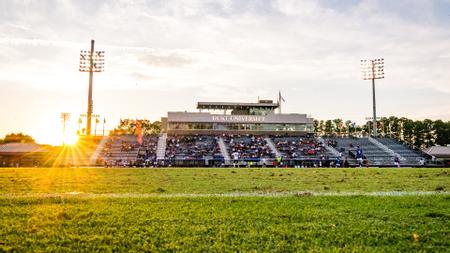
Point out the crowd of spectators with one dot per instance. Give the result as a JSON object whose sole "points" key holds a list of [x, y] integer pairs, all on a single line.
{"points": [[247, 147], [147, 151], [298, 147], [124, 149], [192, 147], [116, 144], [127, 146]]}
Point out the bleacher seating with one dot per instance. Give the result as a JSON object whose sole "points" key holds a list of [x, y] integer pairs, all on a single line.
{"points": [[412, 157], [121, 150], [299, 147], [192, 147], [375, 155], [124, 150], [248, 147], [147, 151]]}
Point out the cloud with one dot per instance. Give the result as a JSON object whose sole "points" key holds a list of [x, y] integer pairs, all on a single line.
{"points": [[165, 61], [140, 76], [233, 49]]}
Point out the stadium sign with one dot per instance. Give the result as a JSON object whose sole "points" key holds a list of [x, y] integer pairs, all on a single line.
{"points": [[238, 118]]}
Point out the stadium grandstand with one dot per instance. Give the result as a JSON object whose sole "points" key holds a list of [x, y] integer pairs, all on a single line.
{"points": [[222, 134], [248, 134]]}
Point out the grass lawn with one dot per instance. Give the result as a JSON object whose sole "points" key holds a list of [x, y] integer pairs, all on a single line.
{"points": [[32, 221], [198, 181]]}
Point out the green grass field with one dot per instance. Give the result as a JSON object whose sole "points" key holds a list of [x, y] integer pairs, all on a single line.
{"points": [[195, 210]]}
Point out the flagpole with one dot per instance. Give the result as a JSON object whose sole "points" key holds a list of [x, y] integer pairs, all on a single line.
{"points": [[280, 99], [279, 102]]}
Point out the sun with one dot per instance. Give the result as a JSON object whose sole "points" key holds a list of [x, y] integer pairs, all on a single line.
{"points": [[56, 137], [70, 138]]}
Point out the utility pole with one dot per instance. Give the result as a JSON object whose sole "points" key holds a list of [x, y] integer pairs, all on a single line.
{"points": [[371, 70], [91, 61]]}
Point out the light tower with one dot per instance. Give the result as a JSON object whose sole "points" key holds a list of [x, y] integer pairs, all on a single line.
{"points": [[371, 70], [91, 61], [65, 116]]}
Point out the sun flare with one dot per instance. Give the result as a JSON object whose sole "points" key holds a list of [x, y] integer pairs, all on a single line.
{"points": [[70, 139]]}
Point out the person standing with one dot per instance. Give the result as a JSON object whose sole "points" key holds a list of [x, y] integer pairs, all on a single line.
{"points": [[397, 162], [359, 156], [235, 159], [279, 161], [422, 162]]}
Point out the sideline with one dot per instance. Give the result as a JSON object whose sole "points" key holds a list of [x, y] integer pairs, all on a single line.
{"points": [[223, 168], [232, 194]]}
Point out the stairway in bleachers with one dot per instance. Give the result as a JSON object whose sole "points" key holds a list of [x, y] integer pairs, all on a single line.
{"points": [[272, 147], [161, 149], [329, 148], [98, 150], [223, 150]]}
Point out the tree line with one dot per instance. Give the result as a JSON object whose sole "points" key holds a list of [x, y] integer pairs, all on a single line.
{"points": [[17, 138], [132, 126], [415, 133]]}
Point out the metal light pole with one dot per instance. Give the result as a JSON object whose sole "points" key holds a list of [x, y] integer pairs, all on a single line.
{"points": [[371, 70], [96, 123], [79, 125], [104, 122], [65, 116], [93, 116], [91, 61]]}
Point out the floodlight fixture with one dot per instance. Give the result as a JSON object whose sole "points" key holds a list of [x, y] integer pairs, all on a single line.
{"points": [[91, 61], [65, 116], [371, 70]]}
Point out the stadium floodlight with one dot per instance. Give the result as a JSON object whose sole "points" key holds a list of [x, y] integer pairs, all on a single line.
{"points": [[65, 116], [91, 61], [371, 70]]}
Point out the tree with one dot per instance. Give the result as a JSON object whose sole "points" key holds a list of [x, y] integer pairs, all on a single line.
{"points": [[128, 126], [319, 127], [384, 126], [429, 135], [316, 126], [156, 127], [17, 138], [442, 132], [349, 129], [394, 127], [417, 134], [328, 127], [339, 125], [408, 131]]}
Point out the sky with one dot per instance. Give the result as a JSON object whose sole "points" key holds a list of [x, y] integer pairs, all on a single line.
{"points": [[166, 55]]}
